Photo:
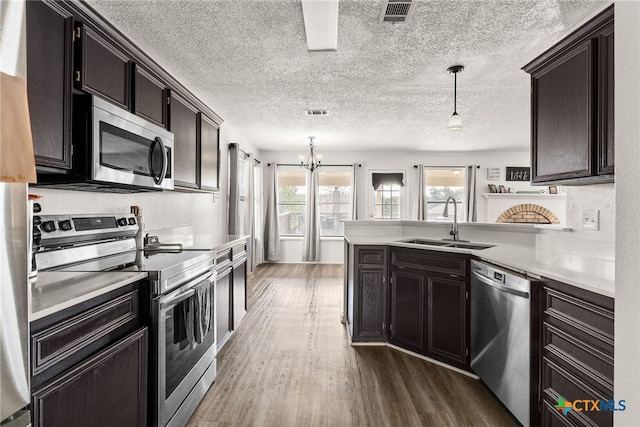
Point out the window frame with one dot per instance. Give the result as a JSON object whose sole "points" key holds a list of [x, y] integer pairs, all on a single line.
{"points": [[462, 203], [291, 169], [371, 194], [337, 169]]}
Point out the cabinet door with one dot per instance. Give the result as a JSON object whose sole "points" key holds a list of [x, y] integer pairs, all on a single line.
{"points": [[108, 389], [239, 291], [447, 320], [105, 69], [407, 309], [562, 116], [50, 65], [606, 151], [223, 304], [150, 97], [183, 124], [209, 153], [371, 303]]}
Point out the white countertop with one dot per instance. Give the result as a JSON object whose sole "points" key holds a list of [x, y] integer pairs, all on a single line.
{"points": [[517, 257], [54, 291]]}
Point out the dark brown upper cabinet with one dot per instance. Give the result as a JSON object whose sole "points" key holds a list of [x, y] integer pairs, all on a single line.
{"points": [[149, 97], [209, 153], [572, 107], [103, 68], [183, 122], [50, 64]]}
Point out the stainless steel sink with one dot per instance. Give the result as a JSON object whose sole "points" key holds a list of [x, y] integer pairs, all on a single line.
{"points": [[448, 244]]}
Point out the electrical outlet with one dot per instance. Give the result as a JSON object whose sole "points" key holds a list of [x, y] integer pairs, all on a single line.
{"points": [[591, 219]]}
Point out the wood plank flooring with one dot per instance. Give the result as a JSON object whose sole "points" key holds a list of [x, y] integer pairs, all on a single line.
{"points": [[289, 363]]}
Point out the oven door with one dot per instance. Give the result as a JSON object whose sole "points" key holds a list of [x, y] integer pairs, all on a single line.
{"points": [[185, 329], [129, 150]]}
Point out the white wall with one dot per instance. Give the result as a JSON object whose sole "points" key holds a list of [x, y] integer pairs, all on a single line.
{"points": [[331, 251], [627, 134]]}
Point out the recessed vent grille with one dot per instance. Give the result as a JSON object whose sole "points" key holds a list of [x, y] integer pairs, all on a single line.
{"points": [[316, 112], [395, 11]]}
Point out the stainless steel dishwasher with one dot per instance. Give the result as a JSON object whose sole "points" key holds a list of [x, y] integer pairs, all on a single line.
{"points": [[500, 335]]}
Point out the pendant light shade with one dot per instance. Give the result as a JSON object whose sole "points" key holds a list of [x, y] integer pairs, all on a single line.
{"points": [[455, 122]]}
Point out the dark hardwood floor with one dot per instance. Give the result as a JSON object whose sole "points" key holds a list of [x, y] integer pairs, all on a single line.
{"points": [[289, 363]]}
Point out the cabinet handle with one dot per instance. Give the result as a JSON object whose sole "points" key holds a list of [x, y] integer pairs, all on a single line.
{"points": [[77, 76]]}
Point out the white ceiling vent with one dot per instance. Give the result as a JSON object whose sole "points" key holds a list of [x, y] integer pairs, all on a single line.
{"points": [[316, 112], [396, 11]]}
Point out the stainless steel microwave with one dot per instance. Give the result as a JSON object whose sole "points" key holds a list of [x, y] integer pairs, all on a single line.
{"points": [[128, 150]]}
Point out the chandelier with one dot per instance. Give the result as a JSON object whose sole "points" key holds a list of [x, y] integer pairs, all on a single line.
{"points": [[311, 161]]}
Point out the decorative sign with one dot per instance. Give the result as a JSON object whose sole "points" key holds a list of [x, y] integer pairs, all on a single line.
{"points": [[493, 174], [518, 174]]}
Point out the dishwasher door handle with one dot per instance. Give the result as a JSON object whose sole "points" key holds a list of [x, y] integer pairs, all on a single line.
{"points": [[500, 287]]}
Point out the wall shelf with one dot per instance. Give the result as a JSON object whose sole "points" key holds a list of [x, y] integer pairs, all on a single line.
{"points": [[523, 195]]}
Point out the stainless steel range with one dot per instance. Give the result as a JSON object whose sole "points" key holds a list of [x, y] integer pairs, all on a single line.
{"points": [[180, 301]]}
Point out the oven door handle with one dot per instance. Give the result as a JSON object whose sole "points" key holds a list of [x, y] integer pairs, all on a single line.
{"points": [[187, 293]]}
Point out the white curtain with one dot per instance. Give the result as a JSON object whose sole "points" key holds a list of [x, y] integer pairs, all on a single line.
{"points": [[271, 226], [354, 192], [470, 200], [234, 190], [420, 209], [311, 242]]}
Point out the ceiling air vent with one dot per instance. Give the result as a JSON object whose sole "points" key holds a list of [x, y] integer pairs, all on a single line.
{"points": [[316, 112], [395, 11]]}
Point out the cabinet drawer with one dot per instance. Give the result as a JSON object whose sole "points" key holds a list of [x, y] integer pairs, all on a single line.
{"points": [[370, 255], [431, 261], [79, 335], [223, 259], [595, 357], [580, 309], [562, 380]]}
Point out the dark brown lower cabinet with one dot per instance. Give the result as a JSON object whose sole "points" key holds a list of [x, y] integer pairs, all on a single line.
{"points": [[429, 305], [223, 304], [370, 294], [407, 309], [576, 360], [239, 289], [107, 389], [447, 314]]}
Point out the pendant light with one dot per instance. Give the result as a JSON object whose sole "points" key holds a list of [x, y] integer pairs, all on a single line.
{"points": [[455, 122], [311, 161]]}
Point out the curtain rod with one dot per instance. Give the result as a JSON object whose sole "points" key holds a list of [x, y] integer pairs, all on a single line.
{"points": [[298, 164], [416, 166]]}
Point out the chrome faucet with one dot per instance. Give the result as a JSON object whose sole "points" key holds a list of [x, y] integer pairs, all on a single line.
{"points": [[454, 224]]}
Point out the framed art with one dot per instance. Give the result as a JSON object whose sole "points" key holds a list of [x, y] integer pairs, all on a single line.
{"points": [[553, 189], [493, 188], [502, 189]]}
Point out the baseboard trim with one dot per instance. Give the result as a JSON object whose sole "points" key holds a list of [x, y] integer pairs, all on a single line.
{"points": [[437, 362]]}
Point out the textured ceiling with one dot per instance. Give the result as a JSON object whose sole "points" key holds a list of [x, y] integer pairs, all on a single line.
{"points": [[386, 87]]}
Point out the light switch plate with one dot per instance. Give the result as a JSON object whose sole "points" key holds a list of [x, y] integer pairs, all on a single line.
{"points": [[591, 219]]}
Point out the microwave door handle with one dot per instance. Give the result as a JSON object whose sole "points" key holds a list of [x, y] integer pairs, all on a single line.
{"points": [[158, 178], [165, 160]]}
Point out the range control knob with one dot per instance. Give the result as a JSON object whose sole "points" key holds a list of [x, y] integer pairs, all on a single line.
{"points": [[48, 226], [65, 225], [132, 221], [122, 222], [37, 220]]}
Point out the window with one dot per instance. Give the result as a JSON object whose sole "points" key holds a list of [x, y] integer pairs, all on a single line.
{"points": [[439, 184], [292, 194], [387, 194], [334, 201]]}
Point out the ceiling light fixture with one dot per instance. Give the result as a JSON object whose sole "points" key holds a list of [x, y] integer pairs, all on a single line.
{"points": [[321, 24], [311, 161], [455, 122]]}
